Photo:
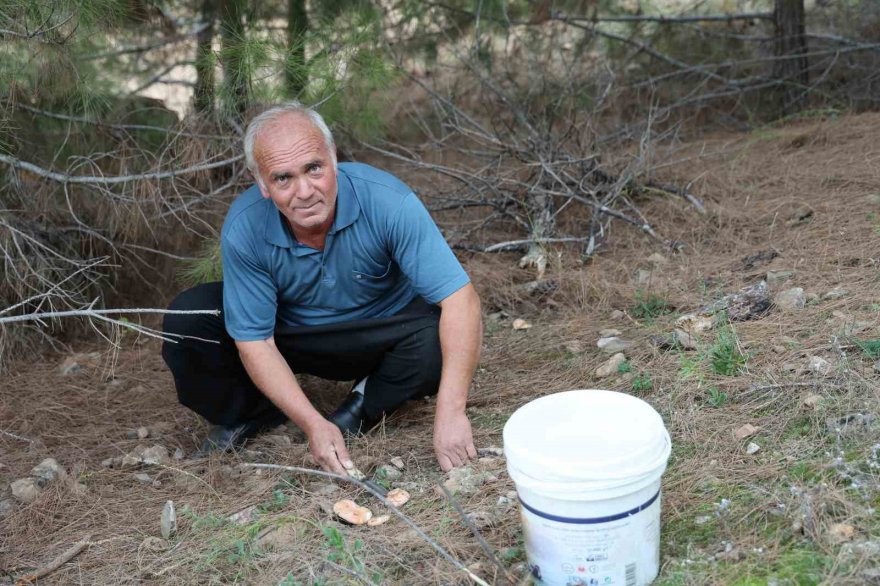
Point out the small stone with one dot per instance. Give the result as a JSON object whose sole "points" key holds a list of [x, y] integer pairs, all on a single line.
{"points": [[658, 259], [819, 365], [877, 367], [143, 433], [684, 339], [388, 472], [662, 342], [613, 345], [812, 401], [112, 462], [702, 519], [25, 490], [694, 324], [244, 516], [481, 520], [645, 278], [835, 293], [574, 346], [131, 434], [521, 324], [611, 366], [154, 544], [465, 480], [6, 507], [178, 454], [48, 471], [841, 532], [503, 502], [791, 299], [70, 366], [777, 277], [491, 451], [143, 478], [752, 448], [779, 349], [168, 523], [397, 462], [617, 315], [812, 298], [745, 431], [748, 303], [609, 332], [155, 455]]}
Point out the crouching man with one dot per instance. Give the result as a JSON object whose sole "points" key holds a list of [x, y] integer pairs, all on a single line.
{"points": [[332, 270]]}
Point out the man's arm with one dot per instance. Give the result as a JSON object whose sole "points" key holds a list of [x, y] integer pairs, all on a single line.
{"points": [[272, 375], [461, 333]]}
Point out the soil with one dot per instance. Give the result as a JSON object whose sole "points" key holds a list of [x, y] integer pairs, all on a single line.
{"points": [[804, 198]]}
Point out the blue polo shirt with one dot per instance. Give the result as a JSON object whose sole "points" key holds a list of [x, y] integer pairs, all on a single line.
{"points": [[382, 250]]}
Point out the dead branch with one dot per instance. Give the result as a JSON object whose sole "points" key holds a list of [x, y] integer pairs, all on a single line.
{"points": [[59, 561]]}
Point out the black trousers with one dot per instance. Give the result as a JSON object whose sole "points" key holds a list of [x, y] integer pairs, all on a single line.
{"points": [[400, 354]]}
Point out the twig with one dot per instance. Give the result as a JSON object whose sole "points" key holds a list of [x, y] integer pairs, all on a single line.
{"points": [[448, 557], [18, 437], [96, 312], [476, 533], [56, 563]]}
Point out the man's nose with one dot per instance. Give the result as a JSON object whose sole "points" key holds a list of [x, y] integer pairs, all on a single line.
{"points": [[304, 189]]}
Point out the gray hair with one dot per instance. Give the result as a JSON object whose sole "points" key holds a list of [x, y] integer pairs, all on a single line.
{"points": [[274, 113]]}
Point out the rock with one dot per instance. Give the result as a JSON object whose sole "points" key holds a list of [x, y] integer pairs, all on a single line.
{"points": [[131, 434], [748, 303], [143, 433], [877, 367], [871, 576], [503, 502], [858, 550], [465, 480], [539, 287], [155, 455], [684, 339], [777, 277], [380, 520], [284, 537], [397, 462], [658, 259], [143, 478], [69, 366], [574, 346], [25, 490], [48, 471], [812, 401], [609, 332], [112, 462], [841, 532], [662, 342], [610, 366], [481, 520], [6, 507], [819, 366], [244, 516], [613, 345], [694, 324], [759, 258], [388, 472], [397, 497], [645, 278], [745, 431], [791, 299], [168, 522], [752, 448], [178, 454], [491, 451], [835, 293], [154, 544], [617, 315], [521, 324], [779, 349]]}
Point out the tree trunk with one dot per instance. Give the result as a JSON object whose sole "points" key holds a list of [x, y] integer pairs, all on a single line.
{"points": [[295, 73], [236, 76], [791, 49], [203, 99]]}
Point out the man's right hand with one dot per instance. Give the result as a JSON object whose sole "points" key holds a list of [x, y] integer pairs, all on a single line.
{"points": [[328, 448]]}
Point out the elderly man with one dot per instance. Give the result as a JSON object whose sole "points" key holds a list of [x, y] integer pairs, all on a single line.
{"points": [[332, 270]]}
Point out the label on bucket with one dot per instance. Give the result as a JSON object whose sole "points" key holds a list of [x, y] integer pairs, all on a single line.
{"points": [[617, 550]]}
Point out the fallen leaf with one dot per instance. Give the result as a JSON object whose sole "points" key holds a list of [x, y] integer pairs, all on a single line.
{"points": [[397, 497], [521, 324], [350, 512]]}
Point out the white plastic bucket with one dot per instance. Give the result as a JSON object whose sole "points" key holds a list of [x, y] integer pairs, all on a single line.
{"points": [[587, 467]]}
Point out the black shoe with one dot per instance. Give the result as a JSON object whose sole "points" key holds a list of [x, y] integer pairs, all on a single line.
{"points": [[350, 417], [227, 438]]}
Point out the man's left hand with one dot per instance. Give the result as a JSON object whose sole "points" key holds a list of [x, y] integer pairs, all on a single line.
{"points": [[453, 440]]}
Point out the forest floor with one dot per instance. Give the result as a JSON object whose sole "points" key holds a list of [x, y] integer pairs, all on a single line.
{"points": [[791, 500]]}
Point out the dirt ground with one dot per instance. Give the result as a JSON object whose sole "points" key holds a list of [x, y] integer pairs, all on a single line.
{"points": [[793, 502]]}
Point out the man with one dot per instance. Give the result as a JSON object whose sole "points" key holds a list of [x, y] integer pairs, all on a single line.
{"points": [[332, 270]]}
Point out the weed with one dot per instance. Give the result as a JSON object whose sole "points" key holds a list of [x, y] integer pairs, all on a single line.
{"points": [[624, 367], [642, 382], [650, 307], [716, 397], [724, 355], [348, 556], [278, 501], [871, 348]]}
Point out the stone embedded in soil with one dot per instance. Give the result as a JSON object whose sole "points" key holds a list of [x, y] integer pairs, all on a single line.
{"points": [[6, 507], [662, 342], [48, 471], [611, 366], [155, 455], [481, 519], [25, 490], [819, 365], [617, 315], [791, 299], [153, 544], [748, 303], [752, 448], [685, 340], [143, 478], [779, 349], [244, 516], [835, 293], [609, 332], [465, 480], [613, 344], [694, 324], [168, 522], [841, 532], [777, 277], [112, 462], [178, 454], [397, 462], [745, 431], [491, 451]]}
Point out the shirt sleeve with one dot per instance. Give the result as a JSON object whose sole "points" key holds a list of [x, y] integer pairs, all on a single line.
{"points": [[250, 300], [422, 253]]}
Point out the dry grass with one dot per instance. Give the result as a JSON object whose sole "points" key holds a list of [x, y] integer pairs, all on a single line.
{"points": [[729, 518]]}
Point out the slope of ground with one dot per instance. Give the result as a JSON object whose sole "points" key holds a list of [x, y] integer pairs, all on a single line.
{"points": [[801, 202]]}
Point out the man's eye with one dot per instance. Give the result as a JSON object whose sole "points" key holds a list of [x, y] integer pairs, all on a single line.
{"points": [[314, 169]]}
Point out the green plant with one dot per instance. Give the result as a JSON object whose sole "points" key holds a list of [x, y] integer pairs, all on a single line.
{"points": [[624, 367], [871, 348], [724, 355], [649, 307], [716, 397], [642, 382], [348, 556]]}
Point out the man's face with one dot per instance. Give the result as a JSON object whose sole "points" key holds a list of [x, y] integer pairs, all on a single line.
{"points": [[297, 171]]}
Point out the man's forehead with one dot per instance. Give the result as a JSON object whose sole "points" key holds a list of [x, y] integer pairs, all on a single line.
{"points": [[300, 136]]}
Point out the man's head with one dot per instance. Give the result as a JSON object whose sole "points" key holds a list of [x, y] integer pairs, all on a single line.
{"points": [[290, 152]]}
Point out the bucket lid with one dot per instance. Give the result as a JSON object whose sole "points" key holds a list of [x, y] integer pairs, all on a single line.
{"points": [[602, 438]]}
